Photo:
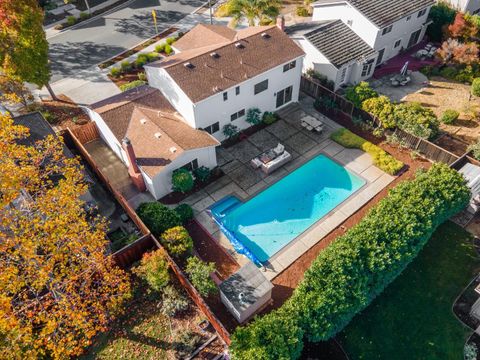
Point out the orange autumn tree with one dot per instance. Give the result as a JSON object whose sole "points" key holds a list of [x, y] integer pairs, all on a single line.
{"points": [[58, 287]]}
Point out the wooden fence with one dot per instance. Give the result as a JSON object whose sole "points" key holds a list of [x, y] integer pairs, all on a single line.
{"points": [[345, 111], [133, 252], [86, 133]]}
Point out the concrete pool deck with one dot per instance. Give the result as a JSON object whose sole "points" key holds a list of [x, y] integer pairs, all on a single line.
{"points": [[244, 182]]}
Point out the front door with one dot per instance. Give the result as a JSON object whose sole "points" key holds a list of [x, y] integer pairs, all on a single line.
{"points": [[284, 96], [380, 57], [414, 38]]}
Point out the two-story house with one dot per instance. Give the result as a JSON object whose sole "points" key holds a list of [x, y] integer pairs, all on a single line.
{"points": [[470, 6], [219, 73]]}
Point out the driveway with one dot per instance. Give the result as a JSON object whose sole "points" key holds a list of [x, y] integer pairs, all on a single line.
{"points": [[97, 40]]}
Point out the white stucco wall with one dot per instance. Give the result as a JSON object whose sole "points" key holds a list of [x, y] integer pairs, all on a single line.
{"points": [[161, 184], [470, 6]]}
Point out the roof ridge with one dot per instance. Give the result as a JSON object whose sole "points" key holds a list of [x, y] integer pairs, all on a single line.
{"points": [[125, 102]]}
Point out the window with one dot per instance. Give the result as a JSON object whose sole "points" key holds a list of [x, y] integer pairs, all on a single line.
{"points": [[237, 115], [349, 22], [225, 96], [284, 96], [212, 129], [409, 17], [343, 75], [387, 30], [261, 86], [367, 68], [422, 12], [289, 66], [237, 90], [397, 43], [192, 165]]}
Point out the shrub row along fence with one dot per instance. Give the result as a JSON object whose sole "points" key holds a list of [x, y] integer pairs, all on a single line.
{"points": [[347, 112], [133, 252]]}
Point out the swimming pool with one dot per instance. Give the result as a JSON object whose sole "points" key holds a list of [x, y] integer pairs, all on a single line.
{"points": [[263, 225]]}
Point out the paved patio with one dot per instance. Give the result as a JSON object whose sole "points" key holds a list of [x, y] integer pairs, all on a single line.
{"points": [[244, 182]]}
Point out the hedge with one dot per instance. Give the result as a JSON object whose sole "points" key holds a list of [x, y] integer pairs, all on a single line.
{"points": [[357, 267], [381, 158], [157, 217]]}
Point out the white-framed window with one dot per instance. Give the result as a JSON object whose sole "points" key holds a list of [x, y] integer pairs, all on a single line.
{"points": [[397, 43], [237, 115], [237, 90], [212, 129], [225, 96], [367, 68], [387, 30], [261, 86], [289, 66], [192, 165], [421, 13], [343, 75]]}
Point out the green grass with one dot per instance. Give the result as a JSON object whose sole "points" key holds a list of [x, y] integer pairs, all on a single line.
{"points": [[412, 319]]}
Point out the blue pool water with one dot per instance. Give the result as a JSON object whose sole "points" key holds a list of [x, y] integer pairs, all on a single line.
{"points": [[263, 225]]}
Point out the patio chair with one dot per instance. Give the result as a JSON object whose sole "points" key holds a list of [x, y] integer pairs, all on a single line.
{"points": [[279, 149], [309, 128], [319, 129], [255, 163], [304, 124]]}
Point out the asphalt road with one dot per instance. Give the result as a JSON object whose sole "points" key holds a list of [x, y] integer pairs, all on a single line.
{"points": [[87, 45]]}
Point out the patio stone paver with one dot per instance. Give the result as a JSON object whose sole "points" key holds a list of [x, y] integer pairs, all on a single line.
{"points": [[223, 156], [333, 149], [282, 130], [207, 222], [231, 165], [301, 143], [244, 176], [217, 185], [257, 188], [313, 235], [263, 140], [203, 204], [292, 152], [230, 189], [195, 197], [244, 151], [292, 165], [292, 253], [372, 173], [276, 175]]}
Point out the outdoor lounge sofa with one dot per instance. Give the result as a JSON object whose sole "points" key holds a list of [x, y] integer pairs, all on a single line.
{"points": [[271, 159]]}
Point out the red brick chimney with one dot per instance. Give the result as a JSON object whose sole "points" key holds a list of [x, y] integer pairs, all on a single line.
{"points": [[281, 22], [133, 169]]}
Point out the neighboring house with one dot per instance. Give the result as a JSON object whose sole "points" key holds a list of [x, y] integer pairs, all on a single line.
{"points": [[220, 73], [387, 26], [151, 138], [470, 6], [333, 49]]}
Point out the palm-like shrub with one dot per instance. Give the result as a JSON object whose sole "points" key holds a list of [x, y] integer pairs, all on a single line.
{"points": [[253, 116], [177, 241], [230, 131], [254, 10]]}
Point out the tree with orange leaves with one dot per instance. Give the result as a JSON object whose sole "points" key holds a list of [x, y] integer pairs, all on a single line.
{"points": [[58, 286]]}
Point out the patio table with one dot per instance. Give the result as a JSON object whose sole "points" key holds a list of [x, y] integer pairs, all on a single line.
{"points": [[312, 123]]}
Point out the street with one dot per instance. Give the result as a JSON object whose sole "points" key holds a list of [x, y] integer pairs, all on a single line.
{"points": [[73, 51]]}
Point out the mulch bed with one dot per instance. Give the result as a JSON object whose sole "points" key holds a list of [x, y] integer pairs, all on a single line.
{"points": [[126, 77], [452, 144], [175, 197]]}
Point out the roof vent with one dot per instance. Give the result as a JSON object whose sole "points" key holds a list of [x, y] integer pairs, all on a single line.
{"points": [[239, 45], [214, 55], [265, 35], [189, 65], [173, 149], [143, 121], [157, 135]]}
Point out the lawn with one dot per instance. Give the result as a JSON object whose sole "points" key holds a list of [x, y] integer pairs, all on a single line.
{"points": [[413, 319]]}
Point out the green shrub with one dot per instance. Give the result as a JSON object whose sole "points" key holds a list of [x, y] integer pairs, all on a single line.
{"points": [[199, 274], [115, 72], [185, 342], [173, 302], [470, 351], [141, 60], [382, 108], [160, 48], [322, 79], [168, 49], [177, 241], [416, 119], [152, 56], [430, 70], [84, 15], [170, 40], [202, 174], [441, 15], [47, 115], [230, 131], [301, 11], [182, 180], [381, 158], [475, 149], [476, 87], [269, 118], [153, 269], [125, 65], [355, 268], [449, 72], [142, 76], [449, 116], [71, 20], [359, 93], [185, 212], [132, 84], [157, 217], [253, 116], [325, 102]]}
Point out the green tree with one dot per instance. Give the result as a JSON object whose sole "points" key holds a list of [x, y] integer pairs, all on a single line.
{"points": [[382, 108], [157, 217], [177, 241], [23, 45], [441, 15], [359, 93], [254, 11], [199, 273], [154, 269], [417, 120]]}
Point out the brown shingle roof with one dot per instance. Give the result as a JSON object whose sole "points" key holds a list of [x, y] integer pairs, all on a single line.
{"points": [[234, 65], [157, 132], [205, 35]]}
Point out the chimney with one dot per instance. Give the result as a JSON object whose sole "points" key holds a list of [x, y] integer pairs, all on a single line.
{"points": [[133, 169], [281, 22]]}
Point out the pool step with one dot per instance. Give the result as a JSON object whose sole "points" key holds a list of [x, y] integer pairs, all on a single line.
{"points": [[227, 205]]}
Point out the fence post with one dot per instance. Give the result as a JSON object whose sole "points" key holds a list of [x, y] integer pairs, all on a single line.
{"points": [[418, 143]]}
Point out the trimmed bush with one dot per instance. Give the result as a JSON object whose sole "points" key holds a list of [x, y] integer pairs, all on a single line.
{"points": [[84, 15], [253, 116], [152, 56], [141, 60], [173, 302], [199, 272], [381, 158], [476, 87], [359, 93], [269, 118], [177, 241], [382, 108], [449, 116], [168, 49], [170, 40], [202, 174], [182, 180], [115, 72], [71, 20], [416, 119], [153, 269], [185, 212], [157, 217], [132, 84], [160, 48], [359, 265], [302, 11], [125, 65], [449, 72]]}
